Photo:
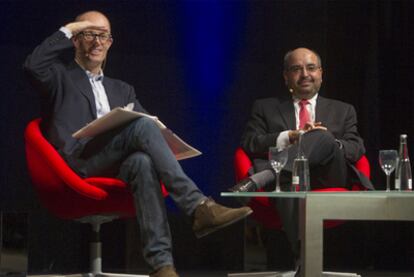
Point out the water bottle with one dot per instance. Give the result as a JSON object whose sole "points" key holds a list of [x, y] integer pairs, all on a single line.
{"points": [[403, 178], [300, 170]]}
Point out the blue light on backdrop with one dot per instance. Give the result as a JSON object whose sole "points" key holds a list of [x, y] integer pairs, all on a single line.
{"points": [[210, 37]]}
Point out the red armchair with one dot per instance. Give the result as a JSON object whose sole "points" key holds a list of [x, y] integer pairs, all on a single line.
{"points": [[264, 211], [66, 195]]}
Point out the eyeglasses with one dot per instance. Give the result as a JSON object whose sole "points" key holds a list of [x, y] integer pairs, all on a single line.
{"points": [[309, 68], [89, 36]]}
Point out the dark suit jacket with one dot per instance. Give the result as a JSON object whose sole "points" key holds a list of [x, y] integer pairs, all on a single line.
{"points": [[67, 99], [270, 116]]}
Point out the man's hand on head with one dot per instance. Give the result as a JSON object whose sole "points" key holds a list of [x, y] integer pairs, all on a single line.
{"points": [[79, 26]]}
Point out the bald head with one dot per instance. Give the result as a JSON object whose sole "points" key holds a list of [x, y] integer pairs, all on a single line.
{"points": [[95, 17], [286, 59]]}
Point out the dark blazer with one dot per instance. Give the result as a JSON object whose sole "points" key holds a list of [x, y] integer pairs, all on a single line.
{"points": [[270, 116], [67, 99]]}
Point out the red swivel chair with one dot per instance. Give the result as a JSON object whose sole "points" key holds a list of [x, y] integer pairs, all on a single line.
{"points": [[94, 200], [264, 211]]}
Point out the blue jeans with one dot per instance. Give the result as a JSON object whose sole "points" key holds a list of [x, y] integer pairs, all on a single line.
{"points": [[139, 155]]}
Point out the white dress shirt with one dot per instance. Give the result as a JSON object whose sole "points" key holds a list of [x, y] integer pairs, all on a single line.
{"points": [[101, 99]]}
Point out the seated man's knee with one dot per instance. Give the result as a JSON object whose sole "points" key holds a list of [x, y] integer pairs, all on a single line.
{"points": [[321, 138], [144, 122], [320, 146], [143, 130]]}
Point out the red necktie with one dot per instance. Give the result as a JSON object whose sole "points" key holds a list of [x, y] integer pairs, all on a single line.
{"points": [[304, 116]]}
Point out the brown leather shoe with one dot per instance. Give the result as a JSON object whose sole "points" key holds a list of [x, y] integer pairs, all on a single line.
{"points": [[210, 217], [165, 271]]}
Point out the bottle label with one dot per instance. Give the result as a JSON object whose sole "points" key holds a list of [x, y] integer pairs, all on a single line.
{"points": [[410, 186], [295, 180], [397, 184]]}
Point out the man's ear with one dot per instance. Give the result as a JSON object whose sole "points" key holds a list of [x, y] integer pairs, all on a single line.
{"points": [[75, 41]]}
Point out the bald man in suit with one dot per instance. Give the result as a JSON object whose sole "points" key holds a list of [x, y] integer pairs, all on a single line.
{"points": [[74, 94], [330, 140]]}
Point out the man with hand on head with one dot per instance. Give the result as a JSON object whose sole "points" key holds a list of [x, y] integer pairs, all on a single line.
{"points": [[331, 141], [75, 94]]}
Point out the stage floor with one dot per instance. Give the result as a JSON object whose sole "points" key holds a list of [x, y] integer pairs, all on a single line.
{"points": [[196, 273], [362, 273]]}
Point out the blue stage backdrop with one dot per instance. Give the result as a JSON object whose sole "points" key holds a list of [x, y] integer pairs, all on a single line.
{"points": [[210, 37]]}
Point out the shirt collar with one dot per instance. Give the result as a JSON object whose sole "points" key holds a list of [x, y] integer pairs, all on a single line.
{"points": [[312, 100], [95, 77], [92, 76]]}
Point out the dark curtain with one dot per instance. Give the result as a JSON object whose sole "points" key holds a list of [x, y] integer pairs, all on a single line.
{"points": [[367, 53]]}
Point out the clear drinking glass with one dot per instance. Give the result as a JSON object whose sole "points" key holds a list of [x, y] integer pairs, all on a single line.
{"points": [[388, 161], [278, 160]]}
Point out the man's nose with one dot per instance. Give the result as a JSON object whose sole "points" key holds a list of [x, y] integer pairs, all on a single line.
{"points": [[304, 72], [97, 41], [96, 38]]}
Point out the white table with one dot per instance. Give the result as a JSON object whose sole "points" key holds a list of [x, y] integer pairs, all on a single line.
{"points": [[315, 207]]}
